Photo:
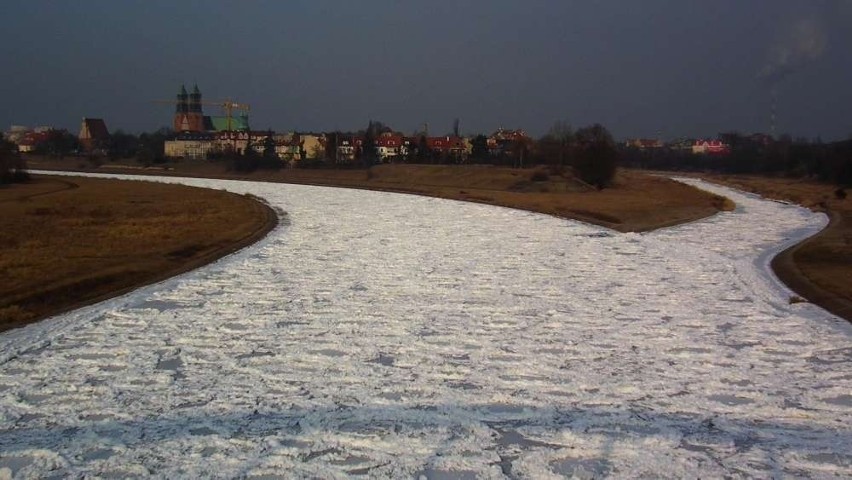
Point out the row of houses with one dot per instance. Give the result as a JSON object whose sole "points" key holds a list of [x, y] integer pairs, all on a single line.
{"points": [[295, 147], [291, 148], [700, 146]]}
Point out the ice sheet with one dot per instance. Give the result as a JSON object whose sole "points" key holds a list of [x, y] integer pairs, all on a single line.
{"points": [[400, 336]]}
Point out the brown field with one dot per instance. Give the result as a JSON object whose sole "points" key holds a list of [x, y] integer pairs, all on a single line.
{"points": [[820, 268], [66, 242], [638, 202]]}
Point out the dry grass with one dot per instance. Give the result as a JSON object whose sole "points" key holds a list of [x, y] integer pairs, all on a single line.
{"points": [[638, 202], [65, 242], [820, 269]]}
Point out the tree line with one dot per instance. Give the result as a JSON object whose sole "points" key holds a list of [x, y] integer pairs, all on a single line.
{"points": [[147, 148], [757, 155], [590, 153]]}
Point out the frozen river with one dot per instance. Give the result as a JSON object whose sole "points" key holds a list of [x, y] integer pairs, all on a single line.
{"points": [[398, 336]]}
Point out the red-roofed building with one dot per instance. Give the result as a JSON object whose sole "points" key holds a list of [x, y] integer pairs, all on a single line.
{"points": [[711, 147], [32, 140], [450, 146], [389, 145], [505, 142]]}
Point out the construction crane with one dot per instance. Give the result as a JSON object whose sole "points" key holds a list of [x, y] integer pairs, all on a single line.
{"points": [[227, 105]]}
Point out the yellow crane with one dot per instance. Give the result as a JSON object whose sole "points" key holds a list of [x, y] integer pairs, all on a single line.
{"points": [[227, 105]]}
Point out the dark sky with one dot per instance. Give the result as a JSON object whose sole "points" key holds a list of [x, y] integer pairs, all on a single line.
{"points": [[641, 68]]}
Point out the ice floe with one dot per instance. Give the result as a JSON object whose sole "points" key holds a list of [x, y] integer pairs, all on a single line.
{"points": [[398, 336]]}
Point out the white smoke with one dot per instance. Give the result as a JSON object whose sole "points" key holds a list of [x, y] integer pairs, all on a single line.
{"points": [[805, 42]]}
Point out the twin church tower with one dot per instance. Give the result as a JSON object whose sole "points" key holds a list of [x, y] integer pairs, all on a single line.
{"points": [[189, 116]]}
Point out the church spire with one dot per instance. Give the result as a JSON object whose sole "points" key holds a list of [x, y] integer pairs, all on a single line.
{"points": [[195, 100], [182, 101]]}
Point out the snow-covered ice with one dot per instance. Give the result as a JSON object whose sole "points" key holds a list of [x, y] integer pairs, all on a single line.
{"points": [[399, 336]]}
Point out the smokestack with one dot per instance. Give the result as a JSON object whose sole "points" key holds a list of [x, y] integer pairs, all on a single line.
{"points": [[803, 43]]}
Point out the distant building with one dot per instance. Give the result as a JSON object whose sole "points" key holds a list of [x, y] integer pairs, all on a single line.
{"points": [[16, 133], [389, 146], [192, 145], [25, 138], [449, 146], [189, 115], [32, 139], [93, 135], [348, 147], [710, 147], [201, 145], [202, 136], [683, 145], [505, 142], [313, 145], [237, 123], [288, 148], [644, 143]]}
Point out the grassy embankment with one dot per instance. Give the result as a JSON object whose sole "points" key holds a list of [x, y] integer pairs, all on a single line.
{"points": [[820, 268], [66, 242]]}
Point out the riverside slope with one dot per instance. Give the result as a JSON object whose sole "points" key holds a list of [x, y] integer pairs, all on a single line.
{"points": [[399, 336]]}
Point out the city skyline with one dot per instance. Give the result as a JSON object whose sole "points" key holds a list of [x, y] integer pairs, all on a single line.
{"points": [[659, 69]]}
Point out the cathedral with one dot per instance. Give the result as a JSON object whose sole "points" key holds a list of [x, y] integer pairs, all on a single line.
{"points": [[190, 118], [188, 114]]}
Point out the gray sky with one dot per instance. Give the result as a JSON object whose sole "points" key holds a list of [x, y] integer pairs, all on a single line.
{"points": [[641, 68]]}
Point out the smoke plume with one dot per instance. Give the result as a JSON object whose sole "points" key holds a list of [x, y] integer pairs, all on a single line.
{"points": [[806, 41]]}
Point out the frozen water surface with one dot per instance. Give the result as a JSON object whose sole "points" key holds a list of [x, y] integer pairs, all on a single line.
{"points": [[386, 335]]}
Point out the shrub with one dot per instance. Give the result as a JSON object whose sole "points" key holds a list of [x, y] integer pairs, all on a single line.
{"points": [[13, 169], [595, 156]]}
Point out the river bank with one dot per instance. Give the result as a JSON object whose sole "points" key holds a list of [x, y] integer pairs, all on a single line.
{"points": [[820, 268], [636, 202], [72, 241]]}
